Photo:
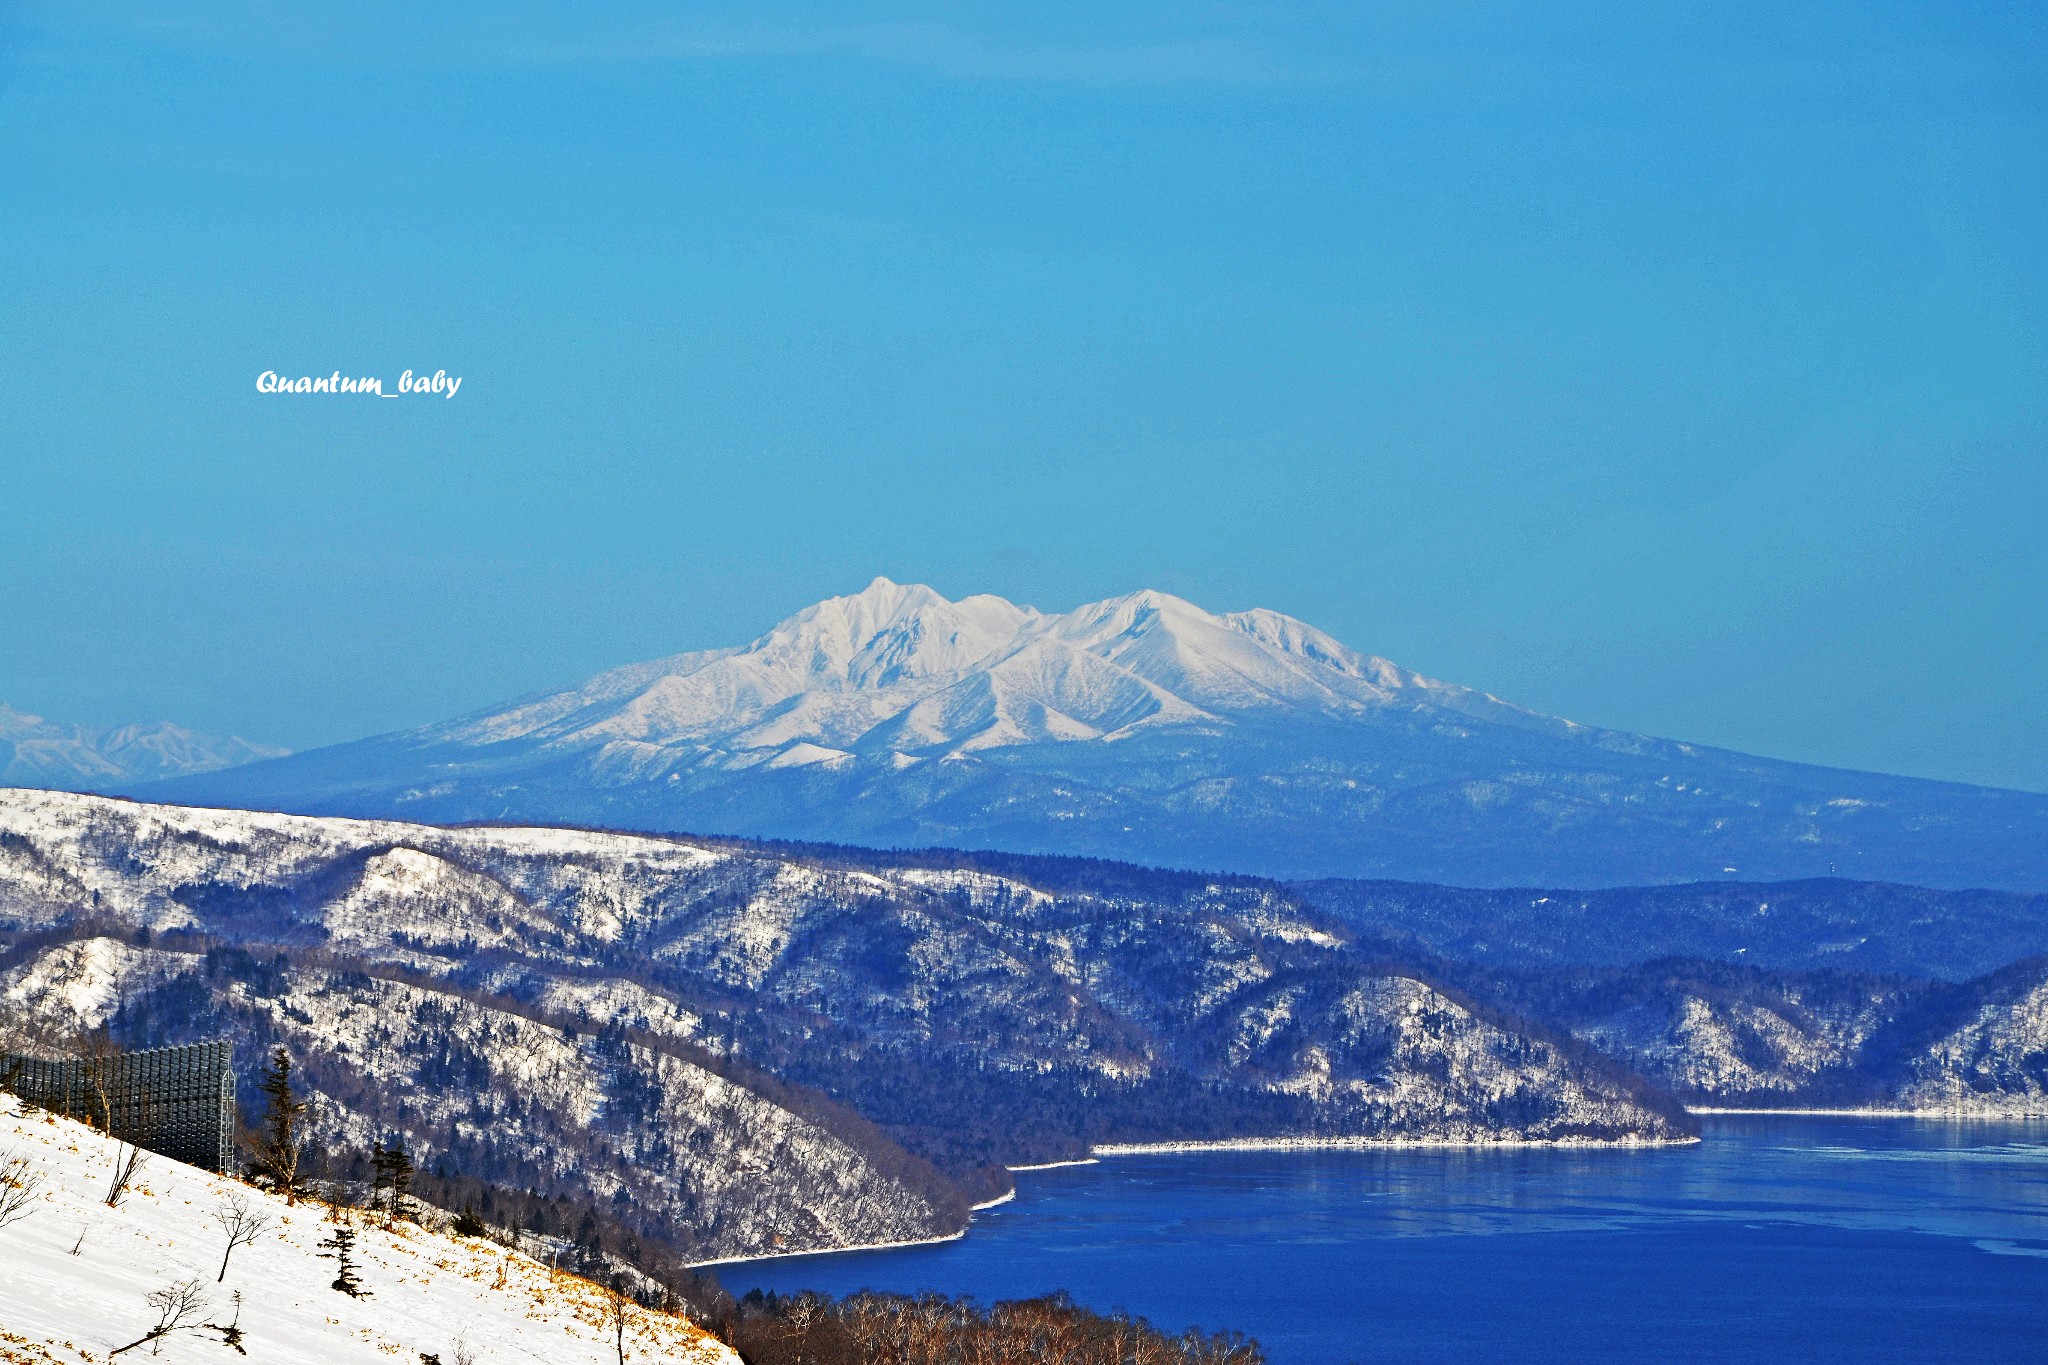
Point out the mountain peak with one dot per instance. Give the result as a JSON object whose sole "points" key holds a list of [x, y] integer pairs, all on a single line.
{"points": [[901, 673], [885, 634]]}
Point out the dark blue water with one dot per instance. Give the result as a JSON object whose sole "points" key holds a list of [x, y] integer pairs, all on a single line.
{"points": [[1776, 1239]]}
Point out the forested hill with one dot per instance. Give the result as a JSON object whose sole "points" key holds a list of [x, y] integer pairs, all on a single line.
{"points": [[1826, 923], [727, 1049]]}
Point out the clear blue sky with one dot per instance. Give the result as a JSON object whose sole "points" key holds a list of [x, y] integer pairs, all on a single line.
{"points": [[1677, 368]]}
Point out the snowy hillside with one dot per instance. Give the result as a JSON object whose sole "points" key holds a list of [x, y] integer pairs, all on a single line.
{"points": [[677, 1035], [39, 753], [75, 1276], [1146, 729], [1720, 1034]]}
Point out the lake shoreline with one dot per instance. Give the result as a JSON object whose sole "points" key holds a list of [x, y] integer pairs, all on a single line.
{"points": [[1875, 1112], [1842, 1239], [1111, 1151], [1350, 1144], [840, 1251]]}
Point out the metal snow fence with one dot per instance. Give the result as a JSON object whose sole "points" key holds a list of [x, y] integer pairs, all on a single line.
{"points": [[176, 1101]]}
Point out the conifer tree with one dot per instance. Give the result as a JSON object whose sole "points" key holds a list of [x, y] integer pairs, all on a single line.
{"points": [[282, 1141], [339, 1246], [394, 1169]]}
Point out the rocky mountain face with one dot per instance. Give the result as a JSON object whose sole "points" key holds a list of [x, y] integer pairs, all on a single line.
{"points": [[740, 1049], [1144, 729], [39, 753]]}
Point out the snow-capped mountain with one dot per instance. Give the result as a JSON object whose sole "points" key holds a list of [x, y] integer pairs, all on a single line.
{"points": [[42, 753], [897, 673], [1142, 728]]}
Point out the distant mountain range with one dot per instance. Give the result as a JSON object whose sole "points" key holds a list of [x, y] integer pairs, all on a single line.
{"points": [[40, 753], [1143, 729]]}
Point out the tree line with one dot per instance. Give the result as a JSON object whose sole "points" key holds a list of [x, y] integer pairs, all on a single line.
{"points": [[932, 1329]]}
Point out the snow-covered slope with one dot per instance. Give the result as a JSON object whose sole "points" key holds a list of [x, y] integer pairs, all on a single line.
{"points": [[1142, 728], [607, 1016], [604, 1118], [1720, 1034], [75, 1276], [41, 753]]}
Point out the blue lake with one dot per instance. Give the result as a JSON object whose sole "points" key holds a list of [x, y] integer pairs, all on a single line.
{"points": [[1775, 1239]]}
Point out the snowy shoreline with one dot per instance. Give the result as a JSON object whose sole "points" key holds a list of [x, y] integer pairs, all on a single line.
{"points": [[1297, 1144], [1003, 1198], [1056, 1165], [835, 1251], [1232, 1145], [1984, 1115], [1363, 1143]]}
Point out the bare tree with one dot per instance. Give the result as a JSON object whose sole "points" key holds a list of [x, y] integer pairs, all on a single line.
{"points": [[20, 1184], [1221, 1348], [802, 1313], [242, 1221], [115, 1106], [460, 1350], [19, 1187], [98, 1056], [873, 1326], [180, 1307], [128, 1159], [131, 1129], [618, 1311]]}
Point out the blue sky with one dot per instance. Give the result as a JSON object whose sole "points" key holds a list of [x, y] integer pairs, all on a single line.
{"points": [[1676, 368]]}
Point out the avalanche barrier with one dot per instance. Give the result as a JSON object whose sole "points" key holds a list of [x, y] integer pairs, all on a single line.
{"points": [[176, 1101]]}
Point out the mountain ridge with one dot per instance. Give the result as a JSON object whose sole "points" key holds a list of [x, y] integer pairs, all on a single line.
{"points": [[68, 757], [1146, 729]]}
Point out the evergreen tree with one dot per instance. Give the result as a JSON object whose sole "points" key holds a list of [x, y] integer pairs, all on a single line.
{"points": [[393, 1167], [281, 1142], [339, 1246]]}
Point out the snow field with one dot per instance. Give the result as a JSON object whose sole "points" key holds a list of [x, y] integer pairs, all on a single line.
{"points": [[429, 1293]]}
